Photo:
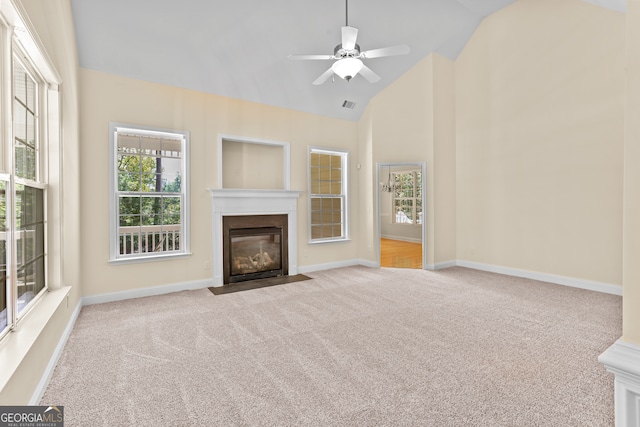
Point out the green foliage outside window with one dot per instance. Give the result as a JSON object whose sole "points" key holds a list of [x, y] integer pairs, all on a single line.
{"points": [[149, 194], [407, 198]]}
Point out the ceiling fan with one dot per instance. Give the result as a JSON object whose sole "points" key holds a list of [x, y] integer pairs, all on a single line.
{"points": [[349, 58]]}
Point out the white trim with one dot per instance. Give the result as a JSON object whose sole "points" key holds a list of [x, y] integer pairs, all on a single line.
{"points": [[623, 360], [15, 16], [185, 207], [151, 258], [17, 344], [606, 288], [367, 263], [440, 265], [286, 156], [346, 197], [55, 356], [331, 265], [325, 241], [145, 292]]}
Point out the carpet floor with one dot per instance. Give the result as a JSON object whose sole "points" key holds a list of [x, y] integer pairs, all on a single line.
{"points": [[351, 347]]}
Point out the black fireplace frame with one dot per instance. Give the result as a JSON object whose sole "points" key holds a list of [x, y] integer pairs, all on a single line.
{"points": [[258, 223]]}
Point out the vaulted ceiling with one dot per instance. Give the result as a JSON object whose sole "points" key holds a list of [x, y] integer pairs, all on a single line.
{"points": [[239, 48]]}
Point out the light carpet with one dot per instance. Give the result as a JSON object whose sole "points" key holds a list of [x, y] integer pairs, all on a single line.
{"points": [[352, 347]]}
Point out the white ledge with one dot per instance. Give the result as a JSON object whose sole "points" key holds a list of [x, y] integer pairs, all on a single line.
{"points": [[16, 346], [623, 360], [241, 192]]}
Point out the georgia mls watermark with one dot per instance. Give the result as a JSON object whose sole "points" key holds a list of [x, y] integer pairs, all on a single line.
{"points": [[31, 416]]}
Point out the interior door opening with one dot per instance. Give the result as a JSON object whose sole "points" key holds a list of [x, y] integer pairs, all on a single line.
{"points": [[401, 229]]}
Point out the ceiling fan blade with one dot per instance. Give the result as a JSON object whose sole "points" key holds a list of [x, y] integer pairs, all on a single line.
{"points": [[302, 56], [368, 74], [323, 78], [349, 37], [402, 49]]}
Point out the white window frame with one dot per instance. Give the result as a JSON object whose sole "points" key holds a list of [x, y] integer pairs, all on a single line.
{"points": [[18, 44], [344, 154], [414, 199], [114, 253]]}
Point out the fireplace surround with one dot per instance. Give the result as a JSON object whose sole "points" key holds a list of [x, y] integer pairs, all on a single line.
{"points": [[241, 202]]}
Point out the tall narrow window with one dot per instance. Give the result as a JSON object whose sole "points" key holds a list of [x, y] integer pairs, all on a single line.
{"points": [[328, 201], [407, 198], [4, 313], [28, 190], [29, 161], [150, 191]]}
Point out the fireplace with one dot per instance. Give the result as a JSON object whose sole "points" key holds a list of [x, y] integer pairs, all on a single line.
{"points": [[254, 247], [236, 203]]}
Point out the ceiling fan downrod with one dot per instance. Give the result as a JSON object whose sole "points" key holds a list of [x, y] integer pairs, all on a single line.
{"points": [[346, 12]]}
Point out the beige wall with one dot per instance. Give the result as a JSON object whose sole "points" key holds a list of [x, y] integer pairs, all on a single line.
{"points": [[413, 120], [401, 119], [252, 166], [631, 266], [105, 98], [367, 222], [539, 102], [444, 160]]}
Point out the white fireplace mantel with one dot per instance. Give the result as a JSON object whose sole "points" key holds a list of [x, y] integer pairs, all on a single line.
{"points": [[229, 202]]}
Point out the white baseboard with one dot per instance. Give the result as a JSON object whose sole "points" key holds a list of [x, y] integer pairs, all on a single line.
{"points": [[53, 361], [623, 360], [328, 266], [534, 275], [145, 292], [441, 265], [367, 263], [545, 277]]}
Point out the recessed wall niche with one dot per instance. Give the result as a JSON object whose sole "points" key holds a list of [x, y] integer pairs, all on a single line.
{"points": [[253, 164]]}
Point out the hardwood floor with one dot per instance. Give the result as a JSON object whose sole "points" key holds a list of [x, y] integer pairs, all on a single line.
{"points": [[399, 254]]}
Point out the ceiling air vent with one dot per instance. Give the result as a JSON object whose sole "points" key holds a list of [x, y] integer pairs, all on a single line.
{"points": [[349, 104]]}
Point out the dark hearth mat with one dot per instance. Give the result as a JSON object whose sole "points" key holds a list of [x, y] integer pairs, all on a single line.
{"points": [[258, 283]]}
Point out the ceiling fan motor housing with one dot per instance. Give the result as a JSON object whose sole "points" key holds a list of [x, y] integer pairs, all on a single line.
{"points": [[339, 52]]}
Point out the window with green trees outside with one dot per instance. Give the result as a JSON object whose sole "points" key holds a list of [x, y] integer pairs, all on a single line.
{"points": [[407, 198], [150, 193]]}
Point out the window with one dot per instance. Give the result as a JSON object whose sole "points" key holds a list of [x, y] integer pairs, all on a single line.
{"points": [[22, 199], [149, 197], [5, 290], [328, 200], [407, 198]]}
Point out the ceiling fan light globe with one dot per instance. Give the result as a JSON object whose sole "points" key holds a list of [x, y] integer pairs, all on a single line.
{"points": [[347, 68]]}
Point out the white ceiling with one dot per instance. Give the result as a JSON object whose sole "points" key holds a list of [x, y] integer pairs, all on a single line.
{"points": [[239, 48]]}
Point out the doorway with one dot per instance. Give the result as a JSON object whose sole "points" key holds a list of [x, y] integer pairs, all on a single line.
{"points": [[401, 216]]}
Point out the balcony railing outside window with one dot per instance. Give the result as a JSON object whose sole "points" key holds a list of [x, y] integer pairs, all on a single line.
{"points": [[149, 197]]}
